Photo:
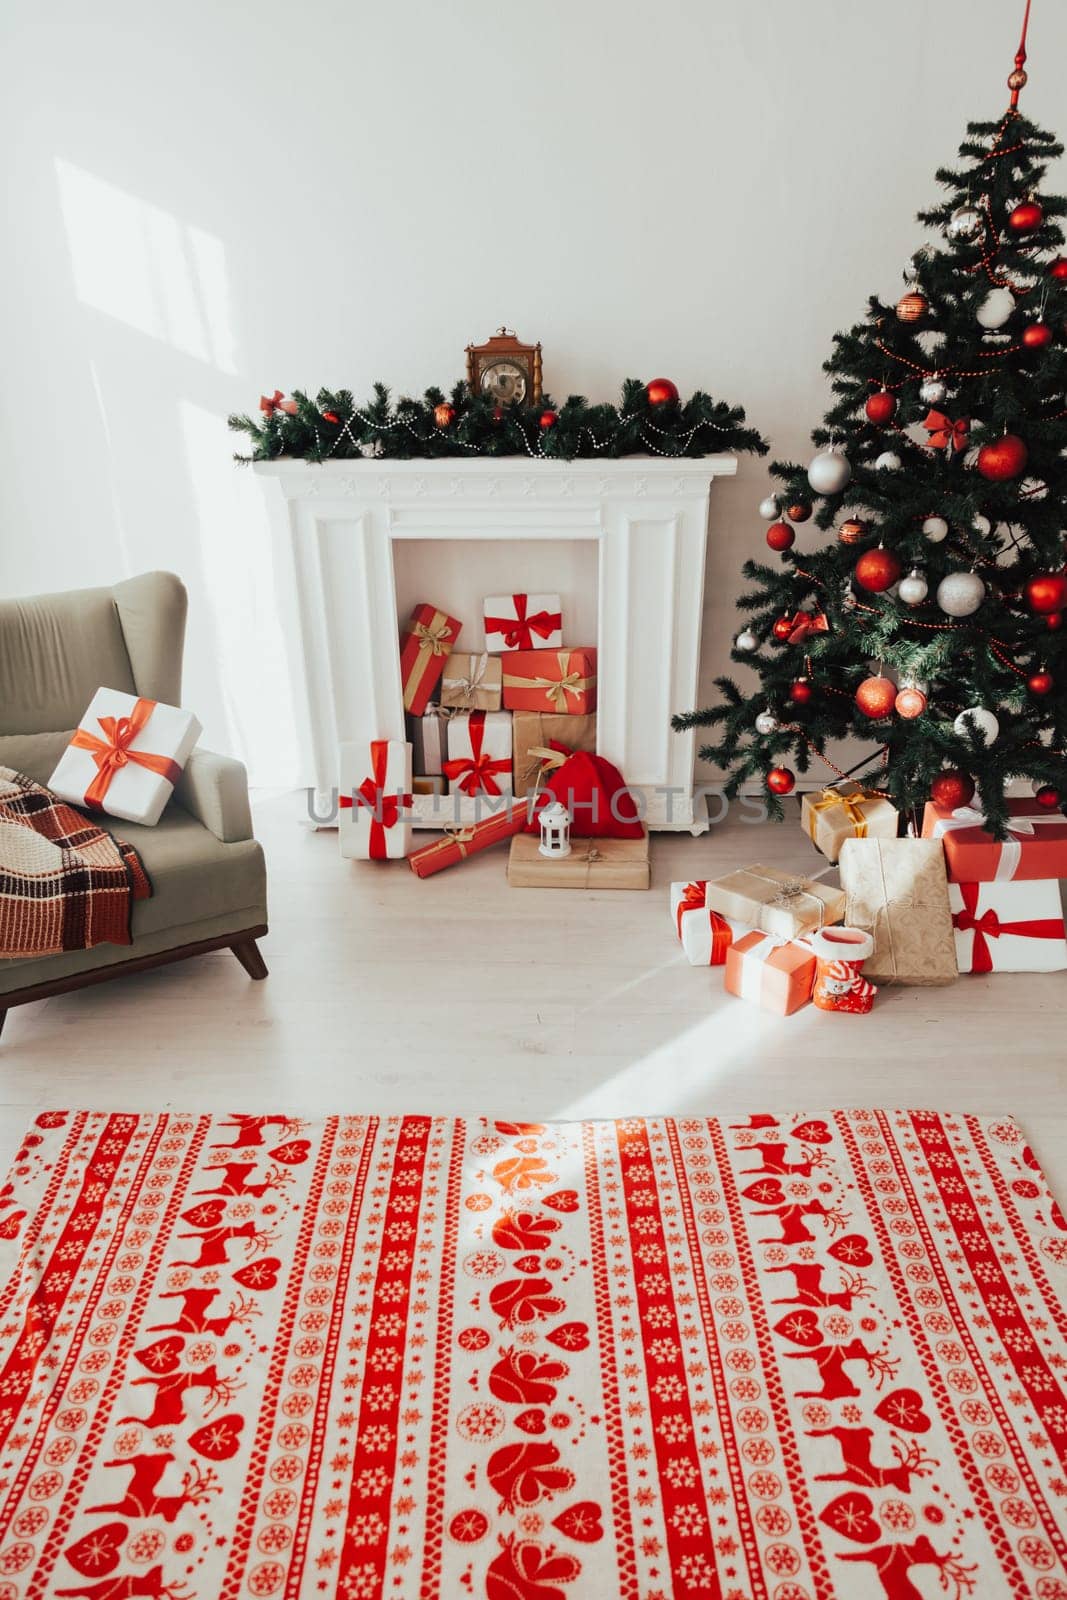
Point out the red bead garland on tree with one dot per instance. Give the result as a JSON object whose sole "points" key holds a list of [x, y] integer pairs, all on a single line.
{"points": [[878, 569], [951, 789], [780, 536], [780, 780], [661, 392]]}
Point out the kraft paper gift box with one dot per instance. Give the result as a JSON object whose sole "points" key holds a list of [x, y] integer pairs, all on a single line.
{"points": [[897, 890], [774, 901], [706, 935], [522, 621], [1009, 927], [374, 783], [542, 730], [472, 682], [424, 646], [846, 811], [429, 739], [592, 864], [1036, 846], [479, 753], [459, 843], [779, 975], [125, 757], [563, 681]]}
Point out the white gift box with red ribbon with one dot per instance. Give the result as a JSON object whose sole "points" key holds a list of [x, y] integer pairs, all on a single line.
{"points": [[375, 799], [125, 757], [1009, 927], [479, 754], [706, 935], [523, 622]]}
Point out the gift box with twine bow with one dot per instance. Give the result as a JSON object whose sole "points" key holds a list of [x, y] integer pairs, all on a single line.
{"points": [[592, 864], [775, 901], [897, 890], [472, 682], [846, 811]]}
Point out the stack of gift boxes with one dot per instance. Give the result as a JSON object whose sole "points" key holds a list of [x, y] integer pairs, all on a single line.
{"points": [[908, 911], [501, 731]]}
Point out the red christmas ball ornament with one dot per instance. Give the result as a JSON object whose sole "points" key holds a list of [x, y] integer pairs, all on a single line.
{"points": [[801, 692], [548, 419], [1058, 269], [798, 511], [1040, 683], [1047, 797], [780, 780], [1027, 216], [1003, 460], [878, 569], [1054, 620], [876, 698], [780, 536], [782, 628], [331, 416], [951, 789], [910, 703], [911, 307], [661, 391], [444, 414], [881, 406], [1037, 335], [1046, 593], [853, 530]]}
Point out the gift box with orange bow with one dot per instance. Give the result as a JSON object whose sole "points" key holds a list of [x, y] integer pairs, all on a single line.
{"points": [[126, 756]]}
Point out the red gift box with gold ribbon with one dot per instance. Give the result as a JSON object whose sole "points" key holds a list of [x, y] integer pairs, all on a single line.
{"points": [[424, 647], [563, 681]]}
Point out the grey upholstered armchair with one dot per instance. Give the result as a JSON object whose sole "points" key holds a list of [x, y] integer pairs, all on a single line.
{"points": [[207, 871]]}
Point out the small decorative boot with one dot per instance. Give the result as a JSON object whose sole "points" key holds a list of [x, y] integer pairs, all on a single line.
{"points": [[839, 984]]}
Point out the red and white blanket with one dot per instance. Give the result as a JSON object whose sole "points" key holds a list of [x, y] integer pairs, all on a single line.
{"points": [[786, 1358]]}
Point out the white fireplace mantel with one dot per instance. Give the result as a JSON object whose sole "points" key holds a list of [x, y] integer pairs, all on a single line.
{"points": [[649, 518]]}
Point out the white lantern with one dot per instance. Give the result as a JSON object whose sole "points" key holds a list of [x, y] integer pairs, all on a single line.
{"points": [[555, 832]]}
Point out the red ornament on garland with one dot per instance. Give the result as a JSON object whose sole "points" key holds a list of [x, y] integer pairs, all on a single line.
{"points": [[910, 703], [780, 536], [548, 419], [783, 628], [876, 697], [1047, 797], [878, 570], [1040, 683], [1045, 593], [951, 789], [1037, 335], [801, 692], [780, 780], [444, 414], [1054, 620], [330, 416], [1027, 216], [881, 406], [1058, 269], [1003, 460], [661, 392]]}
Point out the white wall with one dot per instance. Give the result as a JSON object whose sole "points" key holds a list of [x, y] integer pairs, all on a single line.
{"points": [[211, 200]]}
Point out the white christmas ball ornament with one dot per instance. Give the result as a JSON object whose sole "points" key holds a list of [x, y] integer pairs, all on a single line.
{"points": [[996, 308], [888, 461], [935, 529], [932, 392], [766, 722], [964, 223], [960, 594], [746, 640], [981, 524], [769, 508], [984, 721], [830, 471], [914, 588]]}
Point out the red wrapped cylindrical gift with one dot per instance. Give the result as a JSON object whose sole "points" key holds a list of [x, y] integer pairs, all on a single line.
{"points": [[458, 843]]}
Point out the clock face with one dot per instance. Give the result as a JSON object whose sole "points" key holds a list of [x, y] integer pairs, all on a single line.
{"points": [[504, 382]]}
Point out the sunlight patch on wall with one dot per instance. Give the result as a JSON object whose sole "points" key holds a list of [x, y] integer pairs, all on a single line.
{"points": [[138, 263]]}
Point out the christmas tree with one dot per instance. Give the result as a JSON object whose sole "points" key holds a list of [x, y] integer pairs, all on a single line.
{"points": [[929, 624]]}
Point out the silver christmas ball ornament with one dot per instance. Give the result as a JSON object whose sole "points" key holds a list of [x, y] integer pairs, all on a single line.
{"points": [[984, 721], [914, 588], [932, 392], [746, 640], [996, 308], [766, 722], [964, 223], [960, 594], [935, 529], [888, 461], [769, 508], [830, 471]]}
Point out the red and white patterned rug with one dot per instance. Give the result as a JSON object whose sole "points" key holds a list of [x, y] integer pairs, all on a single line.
{"points": [[780, 1359]]}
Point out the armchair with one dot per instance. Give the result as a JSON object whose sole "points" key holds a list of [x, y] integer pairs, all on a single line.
{"points": [[207, 870]]}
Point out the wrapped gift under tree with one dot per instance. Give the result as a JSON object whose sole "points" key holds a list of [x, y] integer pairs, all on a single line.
{"points": [[479, 754], [1036, 846], [705, 935], [457, 844], [777, 974], [846, 811], [125, 756], [590, 864], [522, 621], [563, 681], [1009, 927], [429, 739], [774, 901], [896, 889], [375, 799], [424, 646]]}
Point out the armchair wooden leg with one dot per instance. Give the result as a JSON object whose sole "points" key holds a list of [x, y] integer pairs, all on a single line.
{"points": [[247, 953]]}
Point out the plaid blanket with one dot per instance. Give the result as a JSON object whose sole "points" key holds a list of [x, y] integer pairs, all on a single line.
{"points": [[65, 883]]}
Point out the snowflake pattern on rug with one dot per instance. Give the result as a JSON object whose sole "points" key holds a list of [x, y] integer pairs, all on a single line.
{"points": [[790, 1358]]}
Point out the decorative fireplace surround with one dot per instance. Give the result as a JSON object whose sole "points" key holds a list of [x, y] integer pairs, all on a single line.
{"points": [[649, 517]]}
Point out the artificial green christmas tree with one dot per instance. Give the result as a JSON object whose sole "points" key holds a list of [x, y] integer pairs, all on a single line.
{"points": [[929, 624]]}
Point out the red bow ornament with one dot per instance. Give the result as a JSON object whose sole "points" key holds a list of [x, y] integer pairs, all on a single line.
{"points": [[384, 809], [806, 623], [946, 434], [518, 631], [276, 402], [989, 926], [476, 773]]}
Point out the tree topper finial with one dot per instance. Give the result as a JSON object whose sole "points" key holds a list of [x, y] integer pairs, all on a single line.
{"points": [[1017, 77]]}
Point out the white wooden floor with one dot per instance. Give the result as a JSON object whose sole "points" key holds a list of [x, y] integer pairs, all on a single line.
{"points": [[458, 994]]}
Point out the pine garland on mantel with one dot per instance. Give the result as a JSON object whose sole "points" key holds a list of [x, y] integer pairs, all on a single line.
{"points": [[331, 427]]}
